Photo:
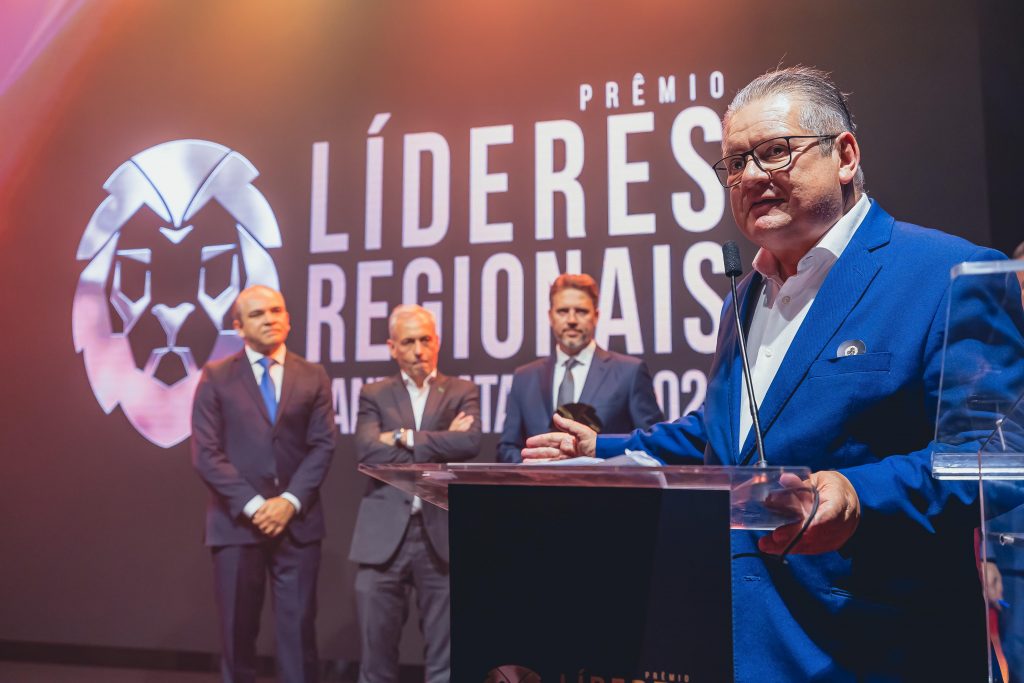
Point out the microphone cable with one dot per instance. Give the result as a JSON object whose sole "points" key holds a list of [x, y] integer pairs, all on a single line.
{"points": [[815, 500]]}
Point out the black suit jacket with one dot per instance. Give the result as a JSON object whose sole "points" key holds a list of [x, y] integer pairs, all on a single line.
{"points": [[383, 407], [239, 453]]}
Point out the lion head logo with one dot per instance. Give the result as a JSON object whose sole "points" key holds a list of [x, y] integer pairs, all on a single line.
{"points": [[181, 233]]}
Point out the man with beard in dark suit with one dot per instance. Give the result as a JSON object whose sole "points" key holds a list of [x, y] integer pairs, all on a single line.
{"points": [[617, 388]]}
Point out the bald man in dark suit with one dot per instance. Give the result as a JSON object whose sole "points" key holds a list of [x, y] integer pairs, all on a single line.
{"points": [[263, 436]]}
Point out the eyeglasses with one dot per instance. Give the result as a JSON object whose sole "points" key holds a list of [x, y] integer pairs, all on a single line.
{"points": [[770, 155]]}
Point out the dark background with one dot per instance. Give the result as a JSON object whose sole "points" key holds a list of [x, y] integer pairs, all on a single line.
{"points": [[102, 542]]}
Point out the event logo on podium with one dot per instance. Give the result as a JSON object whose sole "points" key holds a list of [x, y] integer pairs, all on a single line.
{"points": [[181, 233], [511, 673]]}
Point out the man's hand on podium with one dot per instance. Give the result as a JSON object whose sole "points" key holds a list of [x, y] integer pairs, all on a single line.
{"points": [[576, 440], [836, 519]]}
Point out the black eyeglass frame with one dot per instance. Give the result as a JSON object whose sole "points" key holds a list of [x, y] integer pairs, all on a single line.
{"points": [[753, 157]]}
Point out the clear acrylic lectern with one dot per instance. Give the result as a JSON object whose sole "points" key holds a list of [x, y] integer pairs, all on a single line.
{"points": [[602, 571], [980, 437]]}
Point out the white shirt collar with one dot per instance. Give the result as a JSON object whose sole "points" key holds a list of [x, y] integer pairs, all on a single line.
{"points": [[583, 357], [255, 356], [410, 382], [831, 245]]}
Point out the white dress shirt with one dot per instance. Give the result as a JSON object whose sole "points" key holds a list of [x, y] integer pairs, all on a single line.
{"points": [[782, 306], [584, 359], [277, 377], [418, 396]]}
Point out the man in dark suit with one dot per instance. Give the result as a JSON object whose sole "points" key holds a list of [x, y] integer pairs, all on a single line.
{"points": [[416, 416], [617, 387], [263, 436], [845, 321]]}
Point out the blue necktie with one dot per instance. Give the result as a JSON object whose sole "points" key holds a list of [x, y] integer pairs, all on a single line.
{"points": [[267, 388]]}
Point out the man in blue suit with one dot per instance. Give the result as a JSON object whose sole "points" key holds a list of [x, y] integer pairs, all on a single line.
{"points": [[263, 437], [844, 317], [617, 387]]}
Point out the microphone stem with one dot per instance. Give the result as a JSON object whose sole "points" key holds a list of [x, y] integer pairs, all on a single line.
{"points": [[746, 376]]}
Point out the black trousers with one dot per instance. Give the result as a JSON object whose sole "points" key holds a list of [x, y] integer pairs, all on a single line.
{"points": [[382, 605], [240, 574]]}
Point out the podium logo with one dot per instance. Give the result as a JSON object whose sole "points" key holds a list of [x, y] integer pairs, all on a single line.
{"points": [[181, 233], [511, 673]]}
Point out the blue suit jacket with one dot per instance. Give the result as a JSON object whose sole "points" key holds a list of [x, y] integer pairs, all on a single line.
{"points": [[239, 453], [619, 387], [901, 601]]}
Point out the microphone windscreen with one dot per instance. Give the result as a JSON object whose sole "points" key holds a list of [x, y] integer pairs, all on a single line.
{"points": [[731, 256]]}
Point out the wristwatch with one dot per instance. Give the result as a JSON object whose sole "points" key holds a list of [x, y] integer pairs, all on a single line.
{"points": [[398, 437]]}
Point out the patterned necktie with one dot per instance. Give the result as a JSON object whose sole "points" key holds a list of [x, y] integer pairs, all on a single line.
{"points": [[567, 389], [267, 388]]}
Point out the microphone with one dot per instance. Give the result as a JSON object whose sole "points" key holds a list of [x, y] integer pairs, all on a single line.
{"points": [[733, 269], [731, 256]]}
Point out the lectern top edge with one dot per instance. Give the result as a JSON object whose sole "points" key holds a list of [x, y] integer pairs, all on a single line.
{"points": [[761, 498]]}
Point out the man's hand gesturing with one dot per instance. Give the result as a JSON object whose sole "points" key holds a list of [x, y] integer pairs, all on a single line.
{"points": [[574, 441]]}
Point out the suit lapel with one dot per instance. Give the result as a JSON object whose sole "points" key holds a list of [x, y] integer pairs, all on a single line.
{"points": [[291, 369], [595, 376], [844, 286], [546, 382], [432, 409], [247, 377], [403, 404]]}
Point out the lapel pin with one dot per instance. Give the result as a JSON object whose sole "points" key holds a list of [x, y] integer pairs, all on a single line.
{"points": [[851, 347]]}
